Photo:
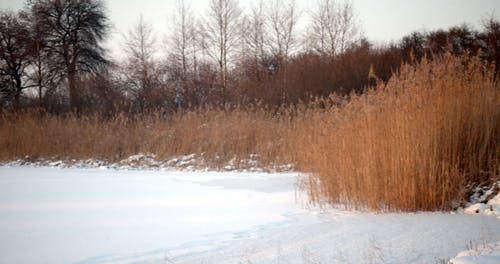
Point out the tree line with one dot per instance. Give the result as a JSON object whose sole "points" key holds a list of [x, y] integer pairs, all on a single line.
{"points": [[52, 56]]}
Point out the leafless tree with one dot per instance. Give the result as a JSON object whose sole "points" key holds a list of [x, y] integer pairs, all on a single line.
{"points": [[43, 73], [185, 49], [182, 41], [256, 36], [491, 37], [14, 55], [139, 71], [75, 31], [223, 34], [283, 19], [334, 27]]}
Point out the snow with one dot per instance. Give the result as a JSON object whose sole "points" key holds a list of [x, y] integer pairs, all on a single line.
{"points": [[190, 162], [107, 215], [482, 194], [495, 201], [477, 208], [491, 207], [485, 254]]}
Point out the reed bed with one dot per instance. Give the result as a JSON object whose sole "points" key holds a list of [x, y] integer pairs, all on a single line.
{"points": [[414, 143], [219, 135], [418, 142]]}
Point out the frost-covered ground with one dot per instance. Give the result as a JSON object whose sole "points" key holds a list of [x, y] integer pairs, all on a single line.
{"points": [[71, 215], [484, 254]]}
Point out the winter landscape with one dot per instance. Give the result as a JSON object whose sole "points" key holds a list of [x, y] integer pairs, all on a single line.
{"points": [[249, 131]]}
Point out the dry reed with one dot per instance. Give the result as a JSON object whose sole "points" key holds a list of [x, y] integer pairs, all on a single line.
{"points": [[414, 143], [219, 135]]}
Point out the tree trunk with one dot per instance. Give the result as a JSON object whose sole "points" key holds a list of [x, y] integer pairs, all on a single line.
{"points": [[73, 92], [18, 91], [221, 81], [39, 73], [40, 95], [224, 79]]}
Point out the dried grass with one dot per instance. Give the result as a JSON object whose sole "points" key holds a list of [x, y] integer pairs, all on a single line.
{"points": [[218, 134], [414, 143]]}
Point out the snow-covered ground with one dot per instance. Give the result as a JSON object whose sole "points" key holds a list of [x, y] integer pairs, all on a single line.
{"points": [[71, 215], [484, 254]]}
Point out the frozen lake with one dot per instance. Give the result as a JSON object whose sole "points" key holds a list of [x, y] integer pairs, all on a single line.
{"points": [[51, 215]]}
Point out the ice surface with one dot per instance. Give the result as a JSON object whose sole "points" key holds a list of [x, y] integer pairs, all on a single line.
{"points": [[51, 215], [71, 215]]}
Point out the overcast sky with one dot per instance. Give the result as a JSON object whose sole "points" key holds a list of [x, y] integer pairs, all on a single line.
{"points": [[382, 20]]}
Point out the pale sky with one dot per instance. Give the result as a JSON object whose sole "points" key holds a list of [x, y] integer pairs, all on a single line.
{"points": [[382, 20]]}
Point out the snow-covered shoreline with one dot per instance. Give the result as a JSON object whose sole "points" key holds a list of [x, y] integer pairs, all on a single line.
{"points": [[190, 162], [107, 215], [484, 254]]}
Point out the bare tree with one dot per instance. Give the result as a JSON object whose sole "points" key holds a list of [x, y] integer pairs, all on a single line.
{"points": [[140, 69], [183, 37], [223, 35], [283, 18], [185, 47], [14, 55], [255, 36], [76, 30], [44, 74], [335, 27], [491, 37], [349, 27]]}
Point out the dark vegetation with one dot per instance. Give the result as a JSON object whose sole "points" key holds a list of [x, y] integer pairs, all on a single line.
{"points": [[52, 57], [403, 126]]}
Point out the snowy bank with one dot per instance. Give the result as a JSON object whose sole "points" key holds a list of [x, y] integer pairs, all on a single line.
{"points": [[486, 254], [190, 162], [485, 202]]}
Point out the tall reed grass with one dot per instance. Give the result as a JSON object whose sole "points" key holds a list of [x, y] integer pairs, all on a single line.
{"points": [[414, 143]]}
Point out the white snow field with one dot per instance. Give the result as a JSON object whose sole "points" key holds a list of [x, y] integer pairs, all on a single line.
{"points": [[53, 215]]}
